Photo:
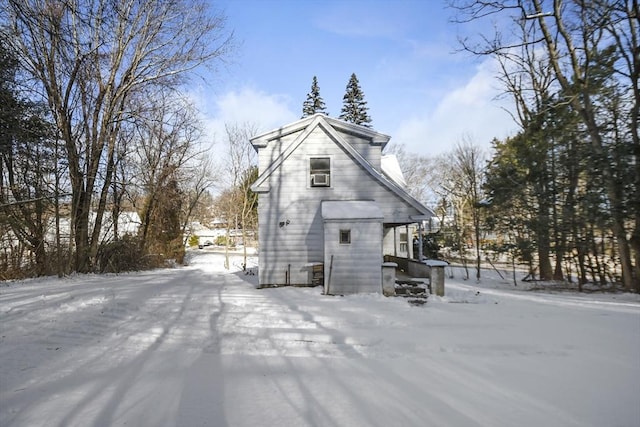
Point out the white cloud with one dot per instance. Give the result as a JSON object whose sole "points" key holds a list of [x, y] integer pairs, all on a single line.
{"points": [[247, 105], [471, 109]]}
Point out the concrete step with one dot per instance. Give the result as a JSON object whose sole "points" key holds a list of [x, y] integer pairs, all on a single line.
{"points": [[415, 291], [410, 287], [410, 290]]}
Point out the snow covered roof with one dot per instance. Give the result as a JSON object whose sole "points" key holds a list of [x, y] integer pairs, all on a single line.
{"points": [[351, 209], [391, 168]]}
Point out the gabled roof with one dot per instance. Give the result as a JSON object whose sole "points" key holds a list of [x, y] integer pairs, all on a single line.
{"points": [[375, 138], [331, 126]]}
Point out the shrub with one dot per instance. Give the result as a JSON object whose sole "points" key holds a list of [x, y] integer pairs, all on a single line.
{"points": [[194, 241], [124, 254]]}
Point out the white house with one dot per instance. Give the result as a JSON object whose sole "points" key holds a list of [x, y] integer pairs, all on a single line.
{"points": [[326, 208], [128, 223]]}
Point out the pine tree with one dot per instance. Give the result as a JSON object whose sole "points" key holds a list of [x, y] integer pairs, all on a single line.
{"points": [[314, 102], [354, 107]]}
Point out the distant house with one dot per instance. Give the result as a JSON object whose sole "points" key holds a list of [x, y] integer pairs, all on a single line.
{"points": [[327, 209], [128, 224]]}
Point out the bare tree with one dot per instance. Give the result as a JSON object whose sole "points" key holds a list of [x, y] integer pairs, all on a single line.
{"points": [[469, 164], [240, 165], [417, 171], [457, 179], [167, 134], [199, 176], [90, 59]]}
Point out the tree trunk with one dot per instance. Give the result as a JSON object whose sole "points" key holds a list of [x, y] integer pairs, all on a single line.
{"points": [[476, 225], [544, 244], [80, 215]]}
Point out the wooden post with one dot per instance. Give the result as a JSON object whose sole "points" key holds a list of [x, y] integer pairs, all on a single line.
{"points": [[420, 254]]}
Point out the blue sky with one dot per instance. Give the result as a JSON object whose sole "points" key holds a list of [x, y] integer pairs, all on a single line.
{"points": [[418, 90]]}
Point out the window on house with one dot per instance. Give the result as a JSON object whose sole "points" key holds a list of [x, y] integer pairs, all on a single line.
{"points": [[320, 169], [404, 243], [345, 237]]}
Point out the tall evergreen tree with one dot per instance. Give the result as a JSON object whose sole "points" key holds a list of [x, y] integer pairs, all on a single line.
{"points": [[314, 102], [354, 107], [26, 167]]}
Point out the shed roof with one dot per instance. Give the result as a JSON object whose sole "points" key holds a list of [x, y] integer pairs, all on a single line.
{"points": [[351, 209]]}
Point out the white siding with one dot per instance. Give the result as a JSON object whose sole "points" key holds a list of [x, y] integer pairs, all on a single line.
{"points": [[355, 267], [291, 247], [371, 152], [273, 150]]}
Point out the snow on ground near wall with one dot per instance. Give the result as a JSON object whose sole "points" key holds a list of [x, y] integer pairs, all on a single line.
{"points": [[201, 346]]}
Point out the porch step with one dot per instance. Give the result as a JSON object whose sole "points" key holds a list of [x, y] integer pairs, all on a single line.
{"points": [[410, 290], [413, 286], [417, 290]]}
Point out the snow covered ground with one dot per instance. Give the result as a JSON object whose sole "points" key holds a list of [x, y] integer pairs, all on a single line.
{"points": [[201, 346]]}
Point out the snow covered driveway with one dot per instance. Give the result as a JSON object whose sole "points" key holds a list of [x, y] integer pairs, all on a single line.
{"points": [[201, 346]]}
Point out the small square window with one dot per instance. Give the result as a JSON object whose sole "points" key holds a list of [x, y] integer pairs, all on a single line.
{"points": [[345, 237]]}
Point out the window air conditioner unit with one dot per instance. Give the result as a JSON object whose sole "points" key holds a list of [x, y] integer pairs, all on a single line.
{"points": [[320, 180]]}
